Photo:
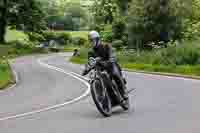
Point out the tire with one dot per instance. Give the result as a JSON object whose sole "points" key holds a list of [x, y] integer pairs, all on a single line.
{"points": [[125, 105], [95, 87]]}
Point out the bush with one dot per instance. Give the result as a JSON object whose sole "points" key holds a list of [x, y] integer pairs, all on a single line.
{"points": [[36, 37], [79, 41], [107, 36], [153, 21], [60, 37], [21, 44], [125, 39], [97, 27], [192, 24], [192, 31], [118, 44], [22, 48], [183, 54], [118, 28], [188, 55], [63, 37], [50, 35]]}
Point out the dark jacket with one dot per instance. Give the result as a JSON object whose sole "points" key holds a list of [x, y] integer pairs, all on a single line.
{"points": [[104, 51]]}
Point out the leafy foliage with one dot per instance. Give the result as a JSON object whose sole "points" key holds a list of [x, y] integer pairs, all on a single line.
{"points": [[79, 41], [156, 20], [104, 11], [66, 15], [61, 37], [3, 19], [22, 14], [192, 24], [118, 44], [26, 15]]}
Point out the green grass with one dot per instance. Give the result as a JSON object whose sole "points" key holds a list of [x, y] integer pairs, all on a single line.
{"points": [[70, 48], [83, 34], [4, 50], [182, 69], [183, 59], [13, 35], [5, 75], [78, 60], [11, 50]]}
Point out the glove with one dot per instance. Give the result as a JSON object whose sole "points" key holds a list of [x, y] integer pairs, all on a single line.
{"points": [[84, 73], [98, 59], [86, 70]]}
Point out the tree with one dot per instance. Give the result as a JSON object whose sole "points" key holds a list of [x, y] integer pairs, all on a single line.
{"points": [[70, 14], [3, 19], [123, 6], [155, 21], [104, 11], [28, 14], [21, 13], [195, 14], [192, 23]]}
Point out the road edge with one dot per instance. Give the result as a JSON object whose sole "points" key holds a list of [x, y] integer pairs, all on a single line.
{"points": [[154, 73], [164, 74]]}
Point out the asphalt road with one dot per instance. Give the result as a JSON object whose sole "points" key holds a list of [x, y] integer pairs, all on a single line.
{"points": [[159, 105]]}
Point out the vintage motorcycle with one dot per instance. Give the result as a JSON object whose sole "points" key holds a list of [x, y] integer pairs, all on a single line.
{"points": [[104, 89]]}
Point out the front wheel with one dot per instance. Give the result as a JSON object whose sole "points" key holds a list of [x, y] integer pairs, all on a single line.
{"points": [[101, 98]]}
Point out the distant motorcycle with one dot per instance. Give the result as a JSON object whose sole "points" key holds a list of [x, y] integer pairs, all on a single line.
{"points": [[104, 89]]}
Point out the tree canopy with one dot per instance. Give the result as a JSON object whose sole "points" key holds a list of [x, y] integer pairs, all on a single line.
{"points": [[23, 14]]}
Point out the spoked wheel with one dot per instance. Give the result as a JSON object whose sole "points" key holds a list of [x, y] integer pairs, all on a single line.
{"points": [[125, 104], [101, 98]]}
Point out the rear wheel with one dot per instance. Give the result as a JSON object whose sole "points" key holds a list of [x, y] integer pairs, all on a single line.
{"points": [[125, 104], [101, 98]]}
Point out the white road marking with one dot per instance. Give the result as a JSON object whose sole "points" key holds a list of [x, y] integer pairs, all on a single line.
{"points": [[86, 93], [77, 76], [85, 78]]}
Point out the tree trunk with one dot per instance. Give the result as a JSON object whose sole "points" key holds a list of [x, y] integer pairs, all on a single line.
{"points": [[3, 20]]}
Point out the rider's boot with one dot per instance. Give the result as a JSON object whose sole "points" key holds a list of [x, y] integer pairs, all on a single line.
{"points": [[125, 82], [125, 91], [125, 95]]}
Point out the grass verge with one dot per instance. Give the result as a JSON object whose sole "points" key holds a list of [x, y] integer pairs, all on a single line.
{"points": [[129, 63], [13, 35], [70, 48], [182, 69], [5, 75], [83, 34]]}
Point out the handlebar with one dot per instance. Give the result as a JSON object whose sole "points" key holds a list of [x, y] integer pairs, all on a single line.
{"points": [[92, 62]]}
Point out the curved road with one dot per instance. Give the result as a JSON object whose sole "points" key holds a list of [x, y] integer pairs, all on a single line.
{"points": [[160, 104]]}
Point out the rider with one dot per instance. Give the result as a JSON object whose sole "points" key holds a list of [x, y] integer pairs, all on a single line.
{"points": [[105, 53]]}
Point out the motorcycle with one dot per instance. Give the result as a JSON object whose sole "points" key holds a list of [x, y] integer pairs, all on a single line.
{"points": [[104, 89]]}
